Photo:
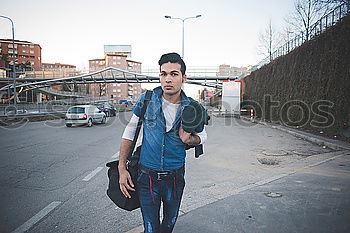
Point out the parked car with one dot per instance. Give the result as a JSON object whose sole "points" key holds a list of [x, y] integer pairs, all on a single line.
{"points": [[84, 114], [107, 109]]}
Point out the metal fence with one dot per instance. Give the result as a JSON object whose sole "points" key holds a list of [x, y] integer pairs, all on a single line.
{"points": [[317, 28], [33, 108]]}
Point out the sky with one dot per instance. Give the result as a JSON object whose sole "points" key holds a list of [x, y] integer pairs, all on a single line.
{"points": [[74, 31]]}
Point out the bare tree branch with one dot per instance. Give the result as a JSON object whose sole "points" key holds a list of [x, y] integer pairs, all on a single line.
{"points": [[306, 13], [268, 41]]}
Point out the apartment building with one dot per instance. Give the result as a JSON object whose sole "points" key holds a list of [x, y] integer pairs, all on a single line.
{"points": [[119, 57], [23, 51]]}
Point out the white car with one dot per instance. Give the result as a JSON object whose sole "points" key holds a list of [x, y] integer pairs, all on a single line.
{"points": [[84, 114]]}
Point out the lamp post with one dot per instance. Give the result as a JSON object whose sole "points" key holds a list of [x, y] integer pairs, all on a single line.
{"points": [[183, 29], [14, 61]]}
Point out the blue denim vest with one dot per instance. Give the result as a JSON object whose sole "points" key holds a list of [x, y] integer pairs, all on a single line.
{"points": [[161, 150]]}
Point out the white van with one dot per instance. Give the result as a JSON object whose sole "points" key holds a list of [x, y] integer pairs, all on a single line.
{"points": [[84, 114]]}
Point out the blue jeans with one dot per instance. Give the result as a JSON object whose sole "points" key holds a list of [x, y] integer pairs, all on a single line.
{"points": [[153, 191]]}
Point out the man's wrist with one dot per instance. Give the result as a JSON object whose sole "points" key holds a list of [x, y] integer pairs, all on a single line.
{"points": [[122, 165], [193, 140]]}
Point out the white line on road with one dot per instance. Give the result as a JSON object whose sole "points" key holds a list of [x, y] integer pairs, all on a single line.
{"points": [[36, 218], [324, 161], [92, 174], [116, 155]]}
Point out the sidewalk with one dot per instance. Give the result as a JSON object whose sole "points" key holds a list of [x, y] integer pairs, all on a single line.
{"points": [[314, 199], [225, 188], [331, 143]]}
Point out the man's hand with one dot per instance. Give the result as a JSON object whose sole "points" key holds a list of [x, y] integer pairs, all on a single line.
{"points": [[184, 136], [188, 138], [125, 182]]}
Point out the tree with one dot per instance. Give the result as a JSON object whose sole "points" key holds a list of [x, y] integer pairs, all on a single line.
{"points": [[305, 14], [102, 89], [25, 66], [268, 41], [334, 3], [287, 34]]}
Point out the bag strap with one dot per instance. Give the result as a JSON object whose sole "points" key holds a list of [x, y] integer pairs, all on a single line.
{"points": [[139, 123]]}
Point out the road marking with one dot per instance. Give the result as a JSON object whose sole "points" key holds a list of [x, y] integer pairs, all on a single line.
{"points": [[36, 218], [115, 156], [324, 161], [92, 174]]}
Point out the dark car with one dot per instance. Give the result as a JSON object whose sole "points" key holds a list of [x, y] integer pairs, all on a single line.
{"points": [[107, 109]]}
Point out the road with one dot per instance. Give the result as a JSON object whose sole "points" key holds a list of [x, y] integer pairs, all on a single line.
{"points": [[53, 178]]}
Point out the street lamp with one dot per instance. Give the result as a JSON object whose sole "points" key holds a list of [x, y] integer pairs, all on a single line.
{"points": [[183, 29], [14, 61]]}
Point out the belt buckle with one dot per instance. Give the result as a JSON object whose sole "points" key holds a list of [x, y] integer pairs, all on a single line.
{"points": [[159, 174]]}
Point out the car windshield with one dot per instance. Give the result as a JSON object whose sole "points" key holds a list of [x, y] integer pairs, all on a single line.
{"points": [[100, 106], [76, 110]]}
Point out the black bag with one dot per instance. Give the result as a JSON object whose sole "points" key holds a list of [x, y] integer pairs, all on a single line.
{"points": [[113, 191]]}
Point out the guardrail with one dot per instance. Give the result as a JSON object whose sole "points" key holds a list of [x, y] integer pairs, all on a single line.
{"points": [[32, 114], [23, 110], [317, 28]]}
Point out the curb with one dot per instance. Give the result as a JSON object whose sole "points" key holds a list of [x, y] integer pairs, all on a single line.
{"points": [[333, 144]]}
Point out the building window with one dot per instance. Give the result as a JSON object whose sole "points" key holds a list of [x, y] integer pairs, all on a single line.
{"points": [[114, 90], [118, 84], [119, 63], [119, 90], [11, 51], [114, 63], [31, 46], [114, 85], [10, 45], [31, 51]]}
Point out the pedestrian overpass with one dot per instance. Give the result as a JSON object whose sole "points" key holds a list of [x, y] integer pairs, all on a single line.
{"points": [[35, 80]]}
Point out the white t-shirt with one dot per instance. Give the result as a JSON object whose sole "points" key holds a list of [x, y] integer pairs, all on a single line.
{"points": [[169, 111]]}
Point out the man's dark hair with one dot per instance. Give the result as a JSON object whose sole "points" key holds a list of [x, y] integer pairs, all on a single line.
{"points": [[173, 58]]}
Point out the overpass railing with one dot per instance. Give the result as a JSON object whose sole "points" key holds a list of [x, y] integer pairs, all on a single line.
{"points": [[317, 28]]}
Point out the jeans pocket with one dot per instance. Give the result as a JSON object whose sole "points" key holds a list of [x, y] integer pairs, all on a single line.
{"points": [[140, 174]]}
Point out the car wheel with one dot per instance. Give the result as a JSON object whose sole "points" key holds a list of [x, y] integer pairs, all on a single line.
{"points": [[69, 125], [103, 120], [89, 124]]}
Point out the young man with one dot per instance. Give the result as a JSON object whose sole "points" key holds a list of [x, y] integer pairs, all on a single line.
{"points": [[162, 158]]}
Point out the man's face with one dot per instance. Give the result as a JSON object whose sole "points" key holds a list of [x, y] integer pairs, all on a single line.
{"points": [[171, 78]]}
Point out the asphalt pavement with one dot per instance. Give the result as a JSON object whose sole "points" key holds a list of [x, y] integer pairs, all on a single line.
{"points": [[53, 179]]}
